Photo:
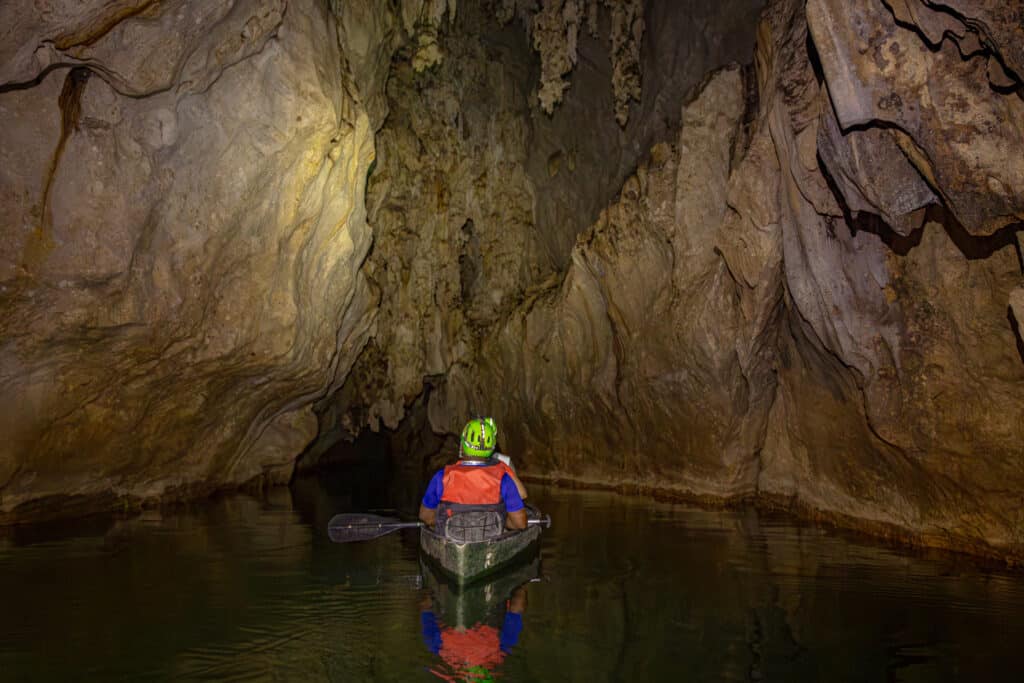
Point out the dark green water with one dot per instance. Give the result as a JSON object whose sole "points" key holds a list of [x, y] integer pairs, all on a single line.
{"points": [[630, 590]]}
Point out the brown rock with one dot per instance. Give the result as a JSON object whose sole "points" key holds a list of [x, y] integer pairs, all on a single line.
{"points": [[631, 369], [880, 420], [809, 291], [956, 127], [871, 172], [180, 270]]}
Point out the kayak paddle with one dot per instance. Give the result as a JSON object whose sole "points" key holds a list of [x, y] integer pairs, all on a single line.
{"points": [[363, 527], [347, 528]]}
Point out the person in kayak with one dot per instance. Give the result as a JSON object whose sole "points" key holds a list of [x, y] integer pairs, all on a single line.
{"points": [[478, 482]]}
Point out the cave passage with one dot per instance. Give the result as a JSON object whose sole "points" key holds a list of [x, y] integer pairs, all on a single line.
{"points": [[624, 590], [262, 260]]}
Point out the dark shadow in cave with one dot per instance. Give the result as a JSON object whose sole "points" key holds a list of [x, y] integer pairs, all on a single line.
{"points": [[469, 262], [815, 60], [1015, 326], [26, 85], [975, 246], [1008, 90], [406, 450], [751, 107]]}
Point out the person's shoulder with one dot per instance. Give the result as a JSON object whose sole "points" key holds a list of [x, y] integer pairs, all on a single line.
{"points": [[508, 483]]}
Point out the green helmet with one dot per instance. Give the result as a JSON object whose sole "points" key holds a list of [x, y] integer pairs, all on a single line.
{"points": [[479, 438], [478, 674]]}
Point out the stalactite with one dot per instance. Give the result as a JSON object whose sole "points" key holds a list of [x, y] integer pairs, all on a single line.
{"points": [[554, 29], [423, 20], [555, 36], [627, 32]]}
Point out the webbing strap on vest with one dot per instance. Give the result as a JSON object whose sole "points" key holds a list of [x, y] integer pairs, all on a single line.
{"points": [[460, 522]]}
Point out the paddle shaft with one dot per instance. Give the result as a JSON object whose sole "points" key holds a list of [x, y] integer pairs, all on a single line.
{"points": [[366, 528]]}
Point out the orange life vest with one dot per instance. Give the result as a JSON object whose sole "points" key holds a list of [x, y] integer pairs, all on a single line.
{"points": [[479, 645], [473, 484]]}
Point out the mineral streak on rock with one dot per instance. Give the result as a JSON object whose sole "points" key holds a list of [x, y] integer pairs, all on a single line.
{"points": [[70, 105]]}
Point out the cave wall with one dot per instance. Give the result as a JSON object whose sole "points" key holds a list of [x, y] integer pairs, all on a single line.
{"points": [[645, 364], [478, 194], [825, 323], [911, 302], [183, 227], [804, 295], [579, 155], [231, 227]]}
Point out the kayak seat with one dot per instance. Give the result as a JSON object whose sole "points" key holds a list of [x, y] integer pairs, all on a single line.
{"points": [[470, 523]]}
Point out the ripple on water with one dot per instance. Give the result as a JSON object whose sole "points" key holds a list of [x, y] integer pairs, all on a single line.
{"points": [[247, 589]]}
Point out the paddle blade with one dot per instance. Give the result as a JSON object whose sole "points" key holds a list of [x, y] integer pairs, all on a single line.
{"points": [[349, 528]]}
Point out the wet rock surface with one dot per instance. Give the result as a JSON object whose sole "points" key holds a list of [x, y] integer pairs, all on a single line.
{"points": [[183, 229], [233, 226]]}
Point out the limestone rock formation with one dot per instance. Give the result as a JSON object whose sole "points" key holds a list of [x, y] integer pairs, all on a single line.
{"points": [[918, 325], [555, 30], [946, 115], [477, 197], [231, 225], [182, 187], [812, 302], [645, 364], [579, 156], [450, 203]]}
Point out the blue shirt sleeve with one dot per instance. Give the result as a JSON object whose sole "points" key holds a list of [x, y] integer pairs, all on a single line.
{"points": [[432, 632], [510, 494], [510, 630], [434, 489]]}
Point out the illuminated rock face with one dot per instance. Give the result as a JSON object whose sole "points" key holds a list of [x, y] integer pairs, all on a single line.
{"points": [[901, 379], [649, 362], [800, 282], [183, 224]]}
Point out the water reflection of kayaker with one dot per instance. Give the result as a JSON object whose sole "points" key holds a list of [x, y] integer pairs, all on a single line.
{"points": [[480, 487], [472, 653]]}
